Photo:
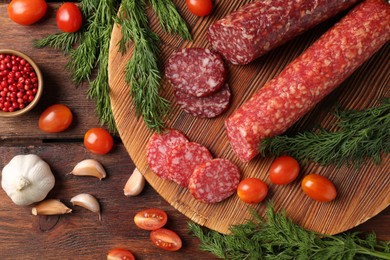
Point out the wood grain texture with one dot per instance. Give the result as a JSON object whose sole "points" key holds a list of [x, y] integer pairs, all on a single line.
{"points": [[362, 193]]}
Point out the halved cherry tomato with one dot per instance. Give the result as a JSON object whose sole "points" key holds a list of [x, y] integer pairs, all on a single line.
{"points": [[252, 190], [199, 7], [120, 254], [319, 188], [284, 170], [26, 12], [55, 118], [69, 18], [166, 239], [151, 219], [98, 140]]}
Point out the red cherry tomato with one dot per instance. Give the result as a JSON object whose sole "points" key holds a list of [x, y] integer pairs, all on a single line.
{"points": [[284, 170], [151, 219], [199, 7], [120, 254], [319, 188], [166, 239], [69, 18], [252, 190], [98, 140], [26, 12], [55, 118]]}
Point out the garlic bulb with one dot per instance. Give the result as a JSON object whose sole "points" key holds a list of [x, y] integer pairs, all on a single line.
{"points": [[27, 179]]}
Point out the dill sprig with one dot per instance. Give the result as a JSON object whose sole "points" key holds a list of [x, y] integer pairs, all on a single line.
{"points": [[61, 41], [88, 50], [142, 72], [277, 237], [362, 134], [170, 19], [99, 89]]}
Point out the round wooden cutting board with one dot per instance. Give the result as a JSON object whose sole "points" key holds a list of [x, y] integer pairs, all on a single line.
{"points": [[362, 192]]}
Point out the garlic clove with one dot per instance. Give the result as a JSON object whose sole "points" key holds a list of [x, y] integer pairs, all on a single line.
{"points": [[135, 184], [89, 167], [87, 201], [50, 207]]}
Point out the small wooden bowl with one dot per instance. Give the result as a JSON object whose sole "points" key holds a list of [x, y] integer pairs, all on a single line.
{"points": [[38, 95]]}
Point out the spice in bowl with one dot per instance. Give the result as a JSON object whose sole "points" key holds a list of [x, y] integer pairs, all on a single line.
{"points": [[20, 83]]}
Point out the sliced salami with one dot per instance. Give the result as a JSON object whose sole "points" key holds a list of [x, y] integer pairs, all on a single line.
{"points": [[309, 78], [158, 147], [214, 180], [196, 71], [260, 26], [206, 107], [182, 160]]}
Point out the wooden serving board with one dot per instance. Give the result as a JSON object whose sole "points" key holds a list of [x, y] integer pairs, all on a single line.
{"points": [[362, 193]]}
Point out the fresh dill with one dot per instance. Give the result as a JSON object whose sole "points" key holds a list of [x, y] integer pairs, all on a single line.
{"points": [[62, 41], [142, 72], [88, 50], [277, 237], [362, 134], [170, 19]]}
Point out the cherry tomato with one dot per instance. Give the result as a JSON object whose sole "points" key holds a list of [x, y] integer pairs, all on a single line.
{"points": [[120, 254], [319, 188], [166, 239], [199, 7], [252, 190], [26, 12], [151, 219], [69, 18], [98, 140], [284, 170], [55, 118]]}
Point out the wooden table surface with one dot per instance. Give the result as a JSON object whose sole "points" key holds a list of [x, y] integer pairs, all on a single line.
{"points": [[80, 235]]}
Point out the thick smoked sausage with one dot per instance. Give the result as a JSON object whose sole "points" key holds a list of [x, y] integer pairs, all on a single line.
{"points": [[309, 78]]}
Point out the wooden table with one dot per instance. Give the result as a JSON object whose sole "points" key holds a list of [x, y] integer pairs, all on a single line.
{"points": [[80, 235]]}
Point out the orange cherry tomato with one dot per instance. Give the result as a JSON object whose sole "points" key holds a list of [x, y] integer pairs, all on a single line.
{"points": [[252, 190], [166, 239], [69, 18], [26, 12], [319, 188], [284, 170], [98, 140], [151, 219], [55, 118], [120, 254], [200, 7]]}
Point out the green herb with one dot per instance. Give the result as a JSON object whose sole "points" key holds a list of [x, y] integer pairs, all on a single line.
{"points": [[170, 19], [362, 134], [279, 238], [62, 41], [142, 71], [88, 50]]}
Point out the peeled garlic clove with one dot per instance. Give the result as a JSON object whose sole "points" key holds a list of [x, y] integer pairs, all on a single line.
{"points": [[89, 167], [135, 184], [87, 201], [50, 207]]}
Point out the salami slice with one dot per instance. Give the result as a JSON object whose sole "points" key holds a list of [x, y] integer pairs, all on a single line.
{"points": [[196, 71], [182, 159], [158, 147], [214, 180], [260, 26], [310, 77], [206, 107]]}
